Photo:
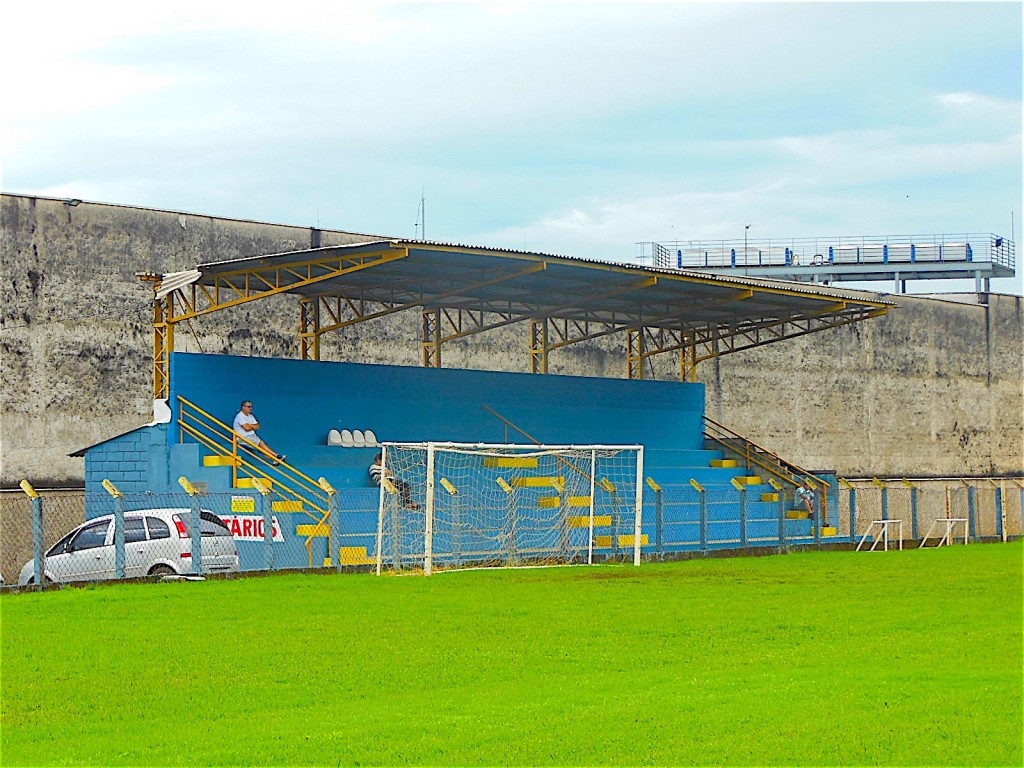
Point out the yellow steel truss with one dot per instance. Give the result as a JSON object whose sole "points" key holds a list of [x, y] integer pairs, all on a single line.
{"points": [[456, 302]]}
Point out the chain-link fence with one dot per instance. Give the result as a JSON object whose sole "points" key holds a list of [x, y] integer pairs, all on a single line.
{"points": [[990, 507], [79, 536], [679, 518], [65, 509], [75, 536]]}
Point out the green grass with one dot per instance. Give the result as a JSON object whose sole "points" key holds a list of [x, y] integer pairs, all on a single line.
{"points": [[818, 658]]}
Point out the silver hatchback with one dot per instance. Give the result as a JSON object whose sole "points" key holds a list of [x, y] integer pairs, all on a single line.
{"points": [[156, 542]]}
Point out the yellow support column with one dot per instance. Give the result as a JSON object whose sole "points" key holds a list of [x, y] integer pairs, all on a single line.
{"points": [[431, 338], [688, 362], [163, 346], [539, 346], [309, 329], [635, 353]]}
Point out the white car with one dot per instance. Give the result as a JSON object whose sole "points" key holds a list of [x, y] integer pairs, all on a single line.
{"points": [[156, 542]]}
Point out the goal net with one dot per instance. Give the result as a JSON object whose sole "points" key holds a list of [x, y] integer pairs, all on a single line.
{"points": [[461, 505]]}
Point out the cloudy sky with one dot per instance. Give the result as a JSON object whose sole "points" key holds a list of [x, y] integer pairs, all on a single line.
{"points": [[576, 128]]}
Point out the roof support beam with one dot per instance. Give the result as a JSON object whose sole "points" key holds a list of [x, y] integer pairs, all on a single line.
{"points": [[163, 346], [230, 289], [357, 310], [431, 337]]}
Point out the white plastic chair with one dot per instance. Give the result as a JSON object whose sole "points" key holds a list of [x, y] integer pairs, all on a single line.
{"points": [[334, 437], [346, 439], [358, 438], [370, 438]]}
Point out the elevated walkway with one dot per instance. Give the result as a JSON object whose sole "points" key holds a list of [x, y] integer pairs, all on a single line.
{"points": [[826, 260]]}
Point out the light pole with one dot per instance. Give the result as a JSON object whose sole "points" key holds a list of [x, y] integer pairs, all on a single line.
{"points": [[745, 244]]}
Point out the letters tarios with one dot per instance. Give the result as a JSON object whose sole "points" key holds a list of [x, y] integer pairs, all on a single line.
{"points": [[250, 527]]}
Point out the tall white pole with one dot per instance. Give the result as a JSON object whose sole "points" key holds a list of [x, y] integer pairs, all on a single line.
{"points": [[593, 491], [639, 504], [380, 510], [428, 533]]}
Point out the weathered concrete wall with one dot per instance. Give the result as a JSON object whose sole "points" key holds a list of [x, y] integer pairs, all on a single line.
{"points": [[934, 388]]}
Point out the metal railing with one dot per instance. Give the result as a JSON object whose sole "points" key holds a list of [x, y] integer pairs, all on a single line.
{"points": [[956, 248], [286, 481], [755, 457]]}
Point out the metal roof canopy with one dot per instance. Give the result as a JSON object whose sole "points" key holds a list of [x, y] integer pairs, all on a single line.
{"points": [[463, 290]]}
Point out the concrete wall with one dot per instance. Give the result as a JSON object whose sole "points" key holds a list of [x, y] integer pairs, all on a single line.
{"points": [[933, 389]]}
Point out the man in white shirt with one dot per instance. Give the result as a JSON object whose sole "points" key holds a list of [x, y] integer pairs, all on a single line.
{"points": [[804, 496], [245, 427]]}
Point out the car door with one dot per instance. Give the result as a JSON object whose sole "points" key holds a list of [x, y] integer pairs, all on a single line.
{"points": [[88, 556], [136, 559], [161, 547]]}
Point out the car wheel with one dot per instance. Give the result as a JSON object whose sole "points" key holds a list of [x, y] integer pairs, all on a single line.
{"points": [[161, 570]]}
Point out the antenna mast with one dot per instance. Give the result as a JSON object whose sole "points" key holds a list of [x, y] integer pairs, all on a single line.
{"points": [[421, 217]]}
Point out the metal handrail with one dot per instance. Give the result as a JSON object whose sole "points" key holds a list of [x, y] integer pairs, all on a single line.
{"points": [[960, 247], [215, 437], [752, 453]]}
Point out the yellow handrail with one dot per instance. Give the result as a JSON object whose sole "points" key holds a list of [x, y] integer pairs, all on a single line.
{"points": [[215, 435], [791, 477]]}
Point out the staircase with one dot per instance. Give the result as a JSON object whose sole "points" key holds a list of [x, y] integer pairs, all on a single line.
{"points": [[756, 459], [222, 458]]}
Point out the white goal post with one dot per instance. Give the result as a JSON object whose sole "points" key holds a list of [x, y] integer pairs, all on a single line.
{"points": [[450, 505]]}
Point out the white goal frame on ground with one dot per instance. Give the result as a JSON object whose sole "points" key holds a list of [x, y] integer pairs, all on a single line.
{"points": [[884, 526], [947, 537], [503, 450]]}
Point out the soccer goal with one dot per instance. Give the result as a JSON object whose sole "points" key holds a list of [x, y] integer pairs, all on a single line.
{"points": [[461, 505]]}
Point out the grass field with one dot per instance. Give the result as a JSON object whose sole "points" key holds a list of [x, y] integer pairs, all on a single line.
{"points": [[816, 658]]}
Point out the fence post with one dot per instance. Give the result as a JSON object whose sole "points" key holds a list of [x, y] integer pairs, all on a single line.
{"points": [[268, 522], [914, 528], [118, 528], [659, 517], [885, 497], [816, 507], [743, 510], [195, 525], [37, 531], [1000, 513], [334, 511], [703, 515], [972, 503]]}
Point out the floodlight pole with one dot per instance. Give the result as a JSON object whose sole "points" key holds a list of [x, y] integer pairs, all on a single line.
{"points": [[745, 244]]}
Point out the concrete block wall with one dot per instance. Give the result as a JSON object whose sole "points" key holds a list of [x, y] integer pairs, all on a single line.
{"points": [[136, 462]]}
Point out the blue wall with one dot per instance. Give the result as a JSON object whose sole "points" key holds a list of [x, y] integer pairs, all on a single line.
{"points": [[298, 402], [136, 462]]}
